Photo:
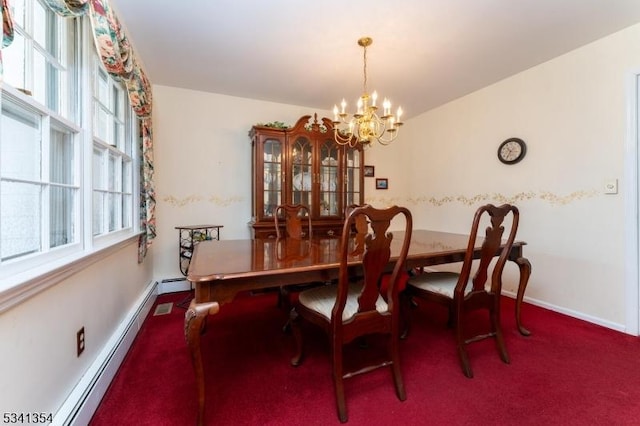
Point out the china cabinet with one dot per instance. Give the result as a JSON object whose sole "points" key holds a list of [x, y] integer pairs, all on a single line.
{"points": [[303, 165]]}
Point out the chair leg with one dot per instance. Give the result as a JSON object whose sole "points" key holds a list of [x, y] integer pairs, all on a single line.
{"points": [[450, 318], [394, 348], [462, 350], [284, 302], [497, 330], [338, 381], [406, 305], [294, 323]]}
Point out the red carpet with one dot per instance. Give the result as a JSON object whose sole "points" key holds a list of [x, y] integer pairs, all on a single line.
{"points": [[568, 372]]}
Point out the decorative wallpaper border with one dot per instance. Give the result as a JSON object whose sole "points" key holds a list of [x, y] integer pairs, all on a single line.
{"points": [[193, 199], [547, 196]]}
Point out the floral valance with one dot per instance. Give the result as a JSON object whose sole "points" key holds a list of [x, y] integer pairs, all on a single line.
{"points": [[7, 24], [112, 43], [68, 8]]}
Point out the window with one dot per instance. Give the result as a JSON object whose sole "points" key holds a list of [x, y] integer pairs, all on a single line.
{"points": [[40, 59], [39, 140], [67, 149], [112, 155]]}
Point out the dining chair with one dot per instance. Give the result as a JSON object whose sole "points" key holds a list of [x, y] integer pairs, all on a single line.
{"points": [[347, 310], [292, 222], [465, 291], [293, 216]]}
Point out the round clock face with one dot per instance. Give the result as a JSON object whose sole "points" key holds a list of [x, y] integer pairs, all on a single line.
{"points": [[512, 150]]}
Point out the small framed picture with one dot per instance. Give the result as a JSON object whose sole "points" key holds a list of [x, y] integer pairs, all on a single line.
{"points": [[382, 183], [369, 171]]}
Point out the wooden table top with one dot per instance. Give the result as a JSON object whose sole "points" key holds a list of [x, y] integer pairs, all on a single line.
{"points": [[229, 259]]}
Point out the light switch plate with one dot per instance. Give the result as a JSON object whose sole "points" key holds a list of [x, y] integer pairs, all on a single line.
{"points": [[611, 186]]}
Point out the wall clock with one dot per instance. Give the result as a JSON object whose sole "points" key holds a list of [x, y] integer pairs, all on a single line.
{"points": [[512, 150]]}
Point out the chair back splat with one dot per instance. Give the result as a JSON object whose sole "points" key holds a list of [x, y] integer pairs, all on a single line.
{"points": [[353, 309], [463, 293], [294, 215]]}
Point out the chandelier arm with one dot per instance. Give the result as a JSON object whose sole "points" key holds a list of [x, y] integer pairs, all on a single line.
{"points": [[344, 139]]}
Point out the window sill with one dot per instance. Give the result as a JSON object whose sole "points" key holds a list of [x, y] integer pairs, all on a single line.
{"points": [[20, 287]]}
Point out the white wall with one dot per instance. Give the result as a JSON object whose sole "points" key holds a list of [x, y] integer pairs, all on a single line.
{"points": [[39, 365], [571, 111]]}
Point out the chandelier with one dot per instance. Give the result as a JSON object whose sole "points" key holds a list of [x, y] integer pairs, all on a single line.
{"points": [[365, 125]]}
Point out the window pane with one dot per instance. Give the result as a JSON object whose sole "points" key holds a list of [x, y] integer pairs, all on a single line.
{"points": [[128, 142], [98, 168], [39, 77], [62, 207], [114, 208], [20, 207], [113, 172], [118, 107], [39, 24], [126, 211], [126, 177], [20, 144], [53, 85], [52, 35], [118, 134], [17, 7], [62, 157], [98, 212], [100, 123], [13, 59], [102, 88]]}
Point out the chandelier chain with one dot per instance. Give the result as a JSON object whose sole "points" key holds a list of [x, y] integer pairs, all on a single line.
{"points": [[365, 70]]}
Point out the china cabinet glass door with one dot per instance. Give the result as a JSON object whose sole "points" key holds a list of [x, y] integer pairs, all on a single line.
{"points": [[272, 160], [353, 177], [329, 160], [302, 172]]}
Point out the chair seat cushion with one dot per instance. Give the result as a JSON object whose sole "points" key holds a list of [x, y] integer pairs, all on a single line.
{"points": [[322, 299], [440, 282]]}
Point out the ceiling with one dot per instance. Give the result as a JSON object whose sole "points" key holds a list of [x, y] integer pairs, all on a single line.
{"points": [[424, 52]]}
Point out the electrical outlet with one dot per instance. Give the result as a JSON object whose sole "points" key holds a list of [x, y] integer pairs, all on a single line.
{"points": [[80, 341]]}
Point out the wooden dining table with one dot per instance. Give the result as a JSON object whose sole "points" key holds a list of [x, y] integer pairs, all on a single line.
{"points": [[221, 269]]}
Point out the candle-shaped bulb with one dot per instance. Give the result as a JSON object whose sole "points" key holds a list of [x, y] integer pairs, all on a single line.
{"points": [[335, 113], [374, 96], [399, 114], [343, 104], [359, 105], [387, 106]]}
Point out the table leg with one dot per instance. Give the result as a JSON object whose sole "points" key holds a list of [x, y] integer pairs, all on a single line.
{"points": [[525, 271], [193, 323]]}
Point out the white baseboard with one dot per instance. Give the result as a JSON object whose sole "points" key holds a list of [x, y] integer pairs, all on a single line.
{"points": [[569, 312], [172, 285], [83, 401]]}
